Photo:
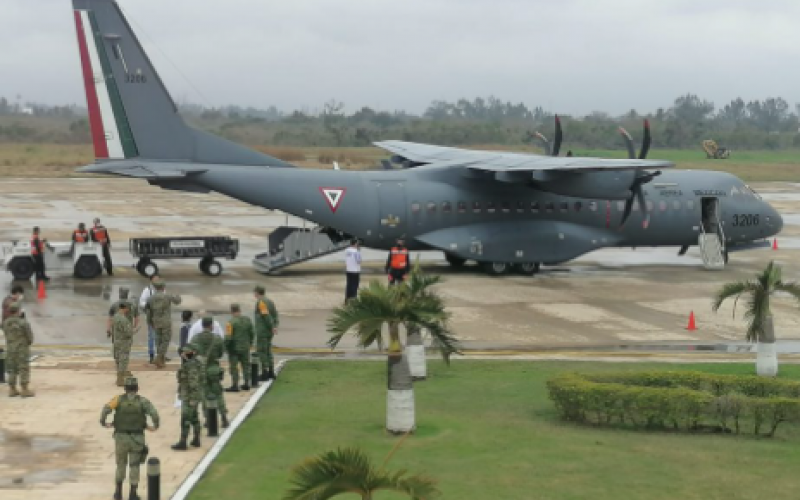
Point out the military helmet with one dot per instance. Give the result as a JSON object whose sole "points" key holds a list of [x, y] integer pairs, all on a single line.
{"points": [[123, 292], [260, 290], [160, 285], [131, 382], [207, 321]]}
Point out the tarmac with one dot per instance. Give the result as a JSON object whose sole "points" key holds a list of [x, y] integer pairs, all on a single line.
{"points": [[601, 306]]}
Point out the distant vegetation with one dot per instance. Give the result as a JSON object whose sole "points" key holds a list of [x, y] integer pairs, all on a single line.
{"points": [[770, 124]]}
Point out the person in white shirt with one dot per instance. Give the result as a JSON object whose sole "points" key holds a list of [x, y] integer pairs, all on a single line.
{"points": [[143, 299], [352, 259], [197, 327]]}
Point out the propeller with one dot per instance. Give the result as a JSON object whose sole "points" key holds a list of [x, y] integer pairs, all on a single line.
{"points": [[556, 147], [639, 179]]}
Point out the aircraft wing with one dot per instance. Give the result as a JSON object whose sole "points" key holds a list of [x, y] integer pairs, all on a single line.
{"points": [[491, 161]]}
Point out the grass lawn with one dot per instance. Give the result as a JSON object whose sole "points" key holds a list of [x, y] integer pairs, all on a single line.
{"points": [[486, 430]]}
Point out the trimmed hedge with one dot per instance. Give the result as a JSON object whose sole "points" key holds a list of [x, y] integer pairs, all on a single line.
{"points": [[679, 400]]}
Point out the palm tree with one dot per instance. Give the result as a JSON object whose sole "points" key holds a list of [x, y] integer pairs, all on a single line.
{"points": [[350, 471], [379, 305], [420, 284], [760, 328]]}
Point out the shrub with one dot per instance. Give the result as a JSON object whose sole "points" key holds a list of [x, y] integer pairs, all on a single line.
{"points": [[689, 401]]}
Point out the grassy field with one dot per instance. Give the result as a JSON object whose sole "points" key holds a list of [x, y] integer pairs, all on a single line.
{"points": [[486, 430], [54, 160]]}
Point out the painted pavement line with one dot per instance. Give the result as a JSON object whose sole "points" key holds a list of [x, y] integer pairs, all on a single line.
{"points": [[199, 471]]}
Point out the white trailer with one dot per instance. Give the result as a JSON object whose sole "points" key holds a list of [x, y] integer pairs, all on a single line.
{"points": [[84, 260]]}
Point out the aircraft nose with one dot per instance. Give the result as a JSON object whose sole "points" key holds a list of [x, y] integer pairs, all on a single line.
{"points": [[775, 220]]}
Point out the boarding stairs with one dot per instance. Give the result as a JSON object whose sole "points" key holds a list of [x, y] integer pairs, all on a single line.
{"points": [[712, 245], [292, 245]]}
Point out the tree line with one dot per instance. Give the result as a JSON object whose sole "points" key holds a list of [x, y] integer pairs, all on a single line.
{"points": [[759, 124]]}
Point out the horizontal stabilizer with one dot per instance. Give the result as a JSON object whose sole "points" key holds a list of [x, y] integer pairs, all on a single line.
{"points": [[144, 169]]}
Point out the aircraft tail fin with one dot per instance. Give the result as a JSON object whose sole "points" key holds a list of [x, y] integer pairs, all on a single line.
{"points": [[131, 113]]}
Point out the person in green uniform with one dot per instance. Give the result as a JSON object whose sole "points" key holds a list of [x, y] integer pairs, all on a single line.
{"points": [[130, 421], [190, 392], [122, 333], [210, 349], [266, 324], [19, 339], [239, 335]]}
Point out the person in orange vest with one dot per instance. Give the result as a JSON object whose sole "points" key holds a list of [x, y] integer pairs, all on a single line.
{"points": [[99, 234], [80, 235], [398, 264], [37, 253]]}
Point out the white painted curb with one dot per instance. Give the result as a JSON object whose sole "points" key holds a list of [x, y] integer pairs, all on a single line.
{"points": [[199, 471]]}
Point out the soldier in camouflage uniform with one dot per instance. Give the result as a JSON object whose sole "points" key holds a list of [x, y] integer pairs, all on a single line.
{"points": [[19, 338], [130, 421], [239, 335], [190, 392], [122, 333], [160, 311], [133, 310], [17, 293], [210, 349], [266, 323]]}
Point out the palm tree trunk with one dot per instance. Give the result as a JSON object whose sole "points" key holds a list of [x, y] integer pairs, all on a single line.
{"points": [[415, 352], [767, 358], [400, 414]]}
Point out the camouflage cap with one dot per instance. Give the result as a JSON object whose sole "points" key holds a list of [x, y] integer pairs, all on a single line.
{"points": [[260, 290], [160, 285], [131, 381], [124, 304], [207, 321]]}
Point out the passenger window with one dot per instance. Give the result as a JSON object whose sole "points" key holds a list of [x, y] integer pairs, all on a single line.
{"points": [[447, 207], [520, 207], [431, 207], [620, 206], [662, 205], [564, 206], [593, 206], [549, 207], [462, 207], [690, 204], [490, 207], [578, 206], [476, 207], [676, 205], [535, 207], [415, 208], [506, 206]]}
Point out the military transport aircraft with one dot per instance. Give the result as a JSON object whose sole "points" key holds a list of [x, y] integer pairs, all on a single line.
{"points": [[504, 210]]}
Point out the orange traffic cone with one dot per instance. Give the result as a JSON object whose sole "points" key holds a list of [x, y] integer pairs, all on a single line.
{"points": [[42, 292], [692, 325], [775, 244]]}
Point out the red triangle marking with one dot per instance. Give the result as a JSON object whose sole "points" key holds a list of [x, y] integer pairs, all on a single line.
{"points": [[333, 196]]}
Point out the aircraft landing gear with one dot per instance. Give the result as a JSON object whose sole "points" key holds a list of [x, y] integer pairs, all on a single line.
{"points": [[496, 268], [529, 268], [455, 261]]}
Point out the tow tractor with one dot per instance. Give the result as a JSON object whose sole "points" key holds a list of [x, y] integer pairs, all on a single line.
{"points": [[83, 259]]}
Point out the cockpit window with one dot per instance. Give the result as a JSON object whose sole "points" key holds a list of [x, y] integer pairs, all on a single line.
{"points": [[753, 191]]}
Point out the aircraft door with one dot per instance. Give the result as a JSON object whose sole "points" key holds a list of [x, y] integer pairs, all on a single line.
{"points": [[711, 215], [392, 209]]}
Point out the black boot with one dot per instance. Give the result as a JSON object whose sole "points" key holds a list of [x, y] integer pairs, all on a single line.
{"points": [[118, 492], [271, 374], [132, 495], [225, 423], [245, 387], [232, 388], [264, 375], [151, 359], [196, 441], [181, 445]]}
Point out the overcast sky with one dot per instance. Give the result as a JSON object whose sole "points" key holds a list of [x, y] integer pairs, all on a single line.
{"points": [[569, 56]]}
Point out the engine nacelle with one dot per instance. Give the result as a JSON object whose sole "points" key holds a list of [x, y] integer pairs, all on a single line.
{"points": [[614, 185]]}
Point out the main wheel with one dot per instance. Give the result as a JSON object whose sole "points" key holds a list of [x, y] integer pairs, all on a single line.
{"points": [[149, 269], [21, 268], [140, 265], [87, 268], [454, 260], [203, 264], [528, 268], [496, 268], [213, 268]]}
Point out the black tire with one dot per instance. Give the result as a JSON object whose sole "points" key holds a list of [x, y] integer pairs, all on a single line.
{"points": [[528, 268], [149, 269], [496, 268], [455, 261], [140, 265], [213, 268], [203, 264], [88, 268], [21, 268]]}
